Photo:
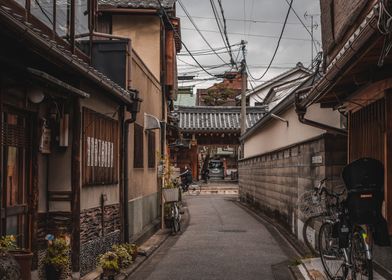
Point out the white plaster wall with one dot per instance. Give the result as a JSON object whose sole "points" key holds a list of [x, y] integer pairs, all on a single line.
{"points": [[276, 134]]}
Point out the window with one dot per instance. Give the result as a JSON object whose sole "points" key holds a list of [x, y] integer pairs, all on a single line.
{"points": [[151, 149], [100, 150], [138, 154]]}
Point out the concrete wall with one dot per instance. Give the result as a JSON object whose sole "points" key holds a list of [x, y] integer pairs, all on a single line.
{"points": [[272, 181], [144, 31], [283, 135]]}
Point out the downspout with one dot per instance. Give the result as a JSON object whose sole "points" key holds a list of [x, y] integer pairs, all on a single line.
{"points": [[163, 103], [126, 124], [301, 112]]}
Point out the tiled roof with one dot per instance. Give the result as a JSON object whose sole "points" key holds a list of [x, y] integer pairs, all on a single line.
{"points": [[213, 118], [9, 15], [138, 4]]}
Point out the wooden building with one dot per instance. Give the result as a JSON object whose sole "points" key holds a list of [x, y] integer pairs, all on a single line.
{"points": [[210, 130], [357, 81], [154, 32]]}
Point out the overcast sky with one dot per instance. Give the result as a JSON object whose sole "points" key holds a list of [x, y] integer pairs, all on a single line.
{"points": [[259, 22]]}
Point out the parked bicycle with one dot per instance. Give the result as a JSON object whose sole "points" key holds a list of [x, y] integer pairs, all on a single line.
{"points": [[350, 226], [171, 197]]}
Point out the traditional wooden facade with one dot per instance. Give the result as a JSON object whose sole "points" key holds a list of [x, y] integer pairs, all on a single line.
{"points": [[154, 32], [357, 82], [61, 135]]}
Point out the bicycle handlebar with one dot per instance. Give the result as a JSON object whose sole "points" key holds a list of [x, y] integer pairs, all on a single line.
{"points": [[322, 189]]}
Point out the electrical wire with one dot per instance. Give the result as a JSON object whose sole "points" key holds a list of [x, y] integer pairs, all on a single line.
{"points": [[303, 24], [198, 30], [217, 19], [253, 35], [179, 38], [225, 31], [277, 46]]}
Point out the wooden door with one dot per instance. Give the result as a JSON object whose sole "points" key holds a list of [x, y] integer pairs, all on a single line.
{"points": [[15, 174]]}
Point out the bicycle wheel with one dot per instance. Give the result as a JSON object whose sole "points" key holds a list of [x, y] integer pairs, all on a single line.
{"points": [[308, 232], [362, 267], [332, 257]]}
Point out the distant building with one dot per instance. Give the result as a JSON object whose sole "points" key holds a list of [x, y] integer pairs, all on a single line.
{"points": [[185, 97], [255, 97], [211, 96]]}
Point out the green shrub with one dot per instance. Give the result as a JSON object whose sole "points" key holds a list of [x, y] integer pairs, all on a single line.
{"points": [[57, 254], [124, 257], [109, 261], [8, 243]]}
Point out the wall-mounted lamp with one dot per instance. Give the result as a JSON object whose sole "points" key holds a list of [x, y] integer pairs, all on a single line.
{"points": [[134, 108], [35, 95]]}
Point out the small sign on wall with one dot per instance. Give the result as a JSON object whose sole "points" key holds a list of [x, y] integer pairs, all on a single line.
{"points": [[317, 159]]}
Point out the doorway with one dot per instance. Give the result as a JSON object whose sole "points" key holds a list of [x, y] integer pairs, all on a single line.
{"points": [[15, 174]]}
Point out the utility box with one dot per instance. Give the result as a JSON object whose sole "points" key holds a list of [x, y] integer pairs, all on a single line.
{"points": [[110, 58]]}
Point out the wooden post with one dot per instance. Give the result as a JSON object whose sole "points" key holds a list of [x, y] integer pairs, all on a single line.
{"points": [[75, 181], [388, 156], [34, 189]]}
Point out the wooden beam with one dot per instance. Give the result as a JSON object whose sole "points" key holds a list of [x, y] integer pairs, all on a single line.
{"points": [[75, 182], [34, 195], [388, 157]]}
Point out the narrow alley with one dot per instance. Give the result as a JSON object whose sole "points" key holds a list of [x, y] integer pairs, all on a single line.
{"points": [[222, 241]]}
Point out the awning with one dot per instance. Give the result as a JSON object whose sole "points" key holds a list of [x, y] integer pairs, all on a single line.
{"points": [[45, 77]]}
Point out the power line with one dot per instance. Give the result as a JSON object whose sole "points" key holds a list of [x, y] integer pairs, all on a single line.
{"points": [[303, 24], [201, 35], [179, 38], [248, 20], [217, 19], [225, 31], [277, 46], [253, 35]]}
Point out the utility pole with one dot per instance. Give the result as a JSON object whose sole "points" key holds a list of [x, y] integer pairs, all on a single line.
{"points": [[312, 27], [244, 77]]}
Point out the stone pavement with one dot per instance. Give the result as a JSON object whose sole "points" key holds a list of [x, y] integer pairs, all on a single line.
{"points": [[222, 241]]}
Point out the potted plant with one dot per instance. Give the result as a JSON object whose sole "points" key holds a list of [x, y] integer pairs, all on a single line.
{"points": [[9, 268], [132, 249], [109, 264], [22, 256], [57, 257], [123, 254]]}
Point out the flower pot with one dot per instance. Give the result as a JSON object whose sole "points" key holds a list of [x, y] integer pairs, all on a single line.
{"points": [[24, 259], [9, 268], [134, 255], [109, 274], [52, 272]]}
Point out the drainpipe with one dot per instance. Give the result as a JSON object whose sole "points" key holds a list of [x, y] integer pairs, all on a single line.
{"points": [[133, 109], [301, 112], [126, 178], [163, 104]]}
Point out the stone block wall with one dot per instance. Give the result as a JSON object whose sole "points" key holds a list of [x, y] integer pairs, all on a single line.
{"points": [[273, 181], [96, 235]]}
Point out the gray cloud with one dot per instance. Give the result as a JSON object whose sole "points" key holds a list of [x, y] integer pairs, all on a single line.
{"points": [[259, 49]]}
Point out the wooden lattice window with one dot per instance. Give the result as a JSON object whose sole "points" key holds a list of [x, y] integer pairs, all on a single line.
{"points": [[151, 149], [100, 149], [138, 152]]}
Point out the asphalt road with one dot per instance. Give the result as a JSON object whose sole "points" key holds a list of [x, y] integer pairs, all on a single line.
{"points": [[222, 241]]}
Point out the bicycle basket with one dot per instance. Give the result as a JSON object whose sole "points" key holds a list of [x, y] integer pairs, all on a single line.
{"points": [[310, 204], [171, 195]]}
